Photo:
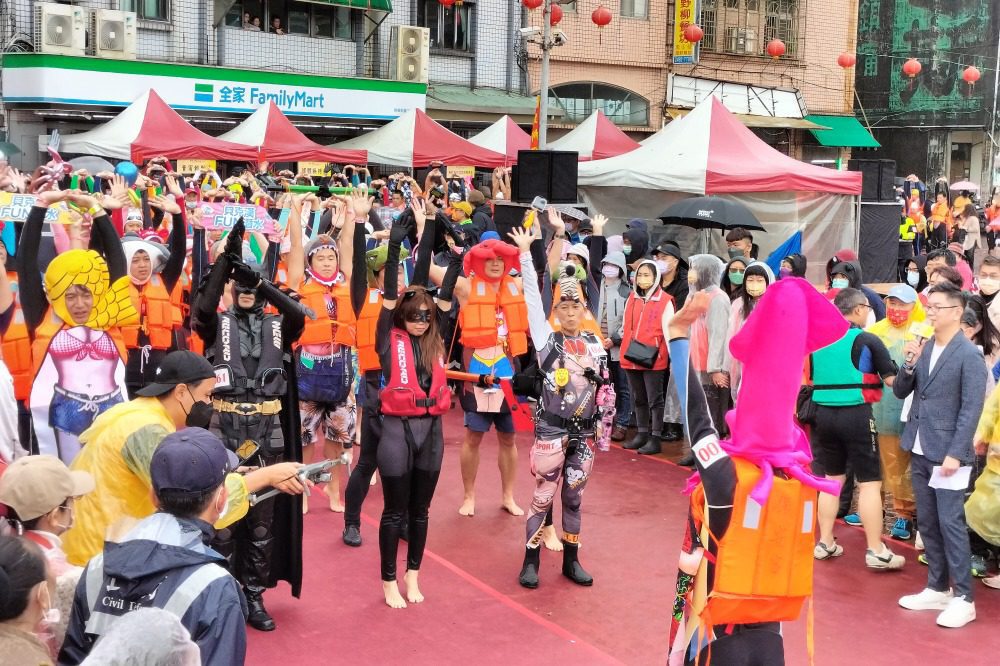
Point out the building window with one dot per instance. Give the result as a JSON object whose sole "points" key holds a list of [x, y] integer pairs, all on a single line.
{"points": [[635, 8], [150, 10], [744, 27], [579, 100], [451, 27], [296, 18]]}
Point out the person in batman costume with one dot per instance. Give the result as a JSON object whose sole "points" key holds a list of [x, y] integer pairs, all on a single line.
{"points": [[256, 415]]}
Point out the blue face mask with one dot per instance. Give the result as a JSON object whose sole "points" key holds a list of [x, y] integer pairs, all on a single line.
{"points": [[912, 278], [840, 283], [626, 250]]}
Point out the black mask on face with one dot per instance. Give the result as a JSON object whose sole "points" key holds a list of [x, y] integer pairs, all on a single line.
{"points": [[200, 414]]}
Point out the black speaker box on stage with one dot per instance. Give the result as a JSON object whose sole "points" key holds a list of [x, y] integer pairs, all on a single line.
{"points": [[877, 179], [550, 174]]}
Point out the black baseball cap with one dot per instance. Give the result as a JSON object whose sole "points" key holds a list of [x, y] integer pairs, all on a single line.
{"points": [[190, 461], [179, 367]]}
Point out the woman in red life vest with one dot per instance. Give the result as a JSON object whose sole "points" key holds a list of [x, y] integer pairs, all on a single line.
{"points": [[416, 394]]}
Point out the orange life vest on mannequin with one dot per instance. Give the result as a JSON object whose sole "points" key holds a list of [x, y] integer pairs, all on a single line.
{"points": [[52, 325], [402, 395], [764, 562], [17, 348], [588, 323], [367, 325], [478, 317], [323, 330], [159, 313], [644, 322]]}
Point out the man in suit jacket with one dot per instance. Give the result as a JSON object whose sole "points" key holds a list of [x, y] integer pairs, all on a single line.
{"points": [[947, 378]]}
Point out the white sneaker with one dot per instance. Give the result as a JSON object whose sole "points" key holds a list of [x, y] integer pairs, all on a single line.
{"points": [[927, 600], [919, 542], [958, 613], [824, 552], [886, 560]]}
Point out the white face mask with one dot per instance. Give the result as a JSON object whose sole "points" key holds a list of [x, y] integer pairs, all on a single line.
{"points": [[50, 615], [610, 272], [989, 286], [912, 278]]}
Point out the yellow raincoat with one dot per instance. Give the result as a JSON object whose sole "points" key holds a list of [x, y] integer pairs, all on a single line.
{"points": [[982, 510], [117, 451]]}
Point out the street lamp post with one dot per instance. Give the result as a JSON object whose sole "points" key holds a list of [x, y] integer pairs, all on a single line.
{"points": [[543, 87]]}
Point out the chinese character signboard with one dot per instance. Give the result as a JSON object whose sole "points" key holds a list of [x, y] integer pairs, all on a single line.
{"points": [[224, 216], [686, 12], [191, 167]]}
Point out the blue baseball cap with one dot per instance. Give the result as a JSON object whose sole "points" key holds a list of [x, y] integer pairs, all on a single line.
{"points": [[190, 461]]}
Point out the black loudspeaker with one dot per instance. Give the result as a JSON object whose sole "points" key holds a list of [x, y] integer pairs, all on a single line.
{"points": [[877, 179], [550, 174]]}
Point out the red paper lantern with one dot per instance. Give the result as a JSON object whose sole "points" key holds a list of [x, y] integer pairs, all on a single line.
{"points": [[693, 33], [775, 48], [555, 14], [532, 4], [912, 67], [602, 16], [971, 75], [846, 60], [446, 3]]}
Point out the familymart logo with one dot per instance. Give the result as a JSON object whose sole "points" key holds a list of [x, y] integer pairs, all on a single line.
{"points": [[204, 92]]}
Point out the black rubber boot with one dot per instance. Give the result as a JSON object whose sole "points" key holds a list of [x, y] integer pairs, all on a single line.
{"points": [[672, 432], [687, 460], [652, 447], [637, 442], [529, 570], [571, 565], [352, 535], [258, 617]]}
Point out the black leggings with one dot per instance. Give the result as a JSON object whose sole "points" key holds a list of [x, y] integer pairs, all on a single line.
{"points": [[409, 462], [367, 463]]}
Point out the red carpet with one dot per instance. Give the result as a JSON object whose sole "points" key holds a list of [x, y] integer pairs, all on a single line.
{"points": [[476, 612]]}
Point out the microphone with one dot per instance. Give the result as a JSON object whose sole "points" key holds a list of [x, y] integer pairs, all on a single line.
{"points": [[922, 331]]}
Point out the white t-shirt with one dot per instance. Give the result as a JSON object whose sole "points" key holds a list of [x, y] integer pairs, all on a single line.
{"points": [[935, 355]]}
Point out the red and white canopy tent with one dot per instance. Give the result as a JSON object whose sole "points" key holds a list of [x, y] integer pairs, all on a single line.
{"points": [[415, 140], [596, 138], [276, 139], [147, 128], [503, 136], [709, 151]]}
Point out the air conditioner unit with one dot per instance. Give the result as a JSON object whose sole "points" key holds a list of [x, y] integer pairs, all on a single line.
{"points": [[741, 40], [410, 53], [113, 34], [60, 29]]}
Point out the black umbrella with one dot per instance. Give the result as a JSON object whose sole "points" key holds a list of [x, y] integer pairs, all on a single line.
{"points": [[710, 213]]}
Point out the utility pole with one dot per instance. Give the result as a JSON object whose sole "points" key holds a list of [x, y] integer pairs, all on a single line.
{"points": [[543, 87]]}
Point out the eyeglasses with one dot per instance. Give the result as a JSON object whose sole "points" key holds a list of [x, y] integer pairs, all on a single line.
{"points": [[864, 305], [935, 308], [419, 317]]}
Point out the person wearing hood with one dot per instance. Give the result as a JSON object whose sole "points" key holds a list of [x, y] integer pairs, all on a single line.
{"points": [[482, 214], [673, 281], [903, 308], [614, 293], [255, 402], [644, 354], [635, 242], [854, 280], [154, 272], [916, 275], [732, 277], [989, 285], [756, 279], [710, 337], [794, 265], [167, 560]]}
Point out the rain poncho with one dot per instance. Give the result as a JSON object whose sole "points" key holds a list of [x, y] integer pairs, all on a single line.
{"points": [[982, 510], [117, 451], [146, 637]]}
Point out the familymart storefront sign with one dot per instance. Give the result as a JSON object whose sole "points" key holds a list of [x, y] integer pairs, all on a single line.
{"points": [[32, 78]]}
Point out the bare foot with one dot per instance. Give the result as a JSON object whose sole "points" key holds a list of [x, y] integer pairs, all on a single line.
{"points": [[412, 589], [393, 599], [374, 479], [305, 505], [468, 507], [335, 504], [511, 507], [551, 538]]}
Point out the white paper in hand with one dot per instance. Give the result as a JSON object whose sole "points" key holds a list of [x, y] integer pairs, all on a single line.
{"points": [[957, 481]]}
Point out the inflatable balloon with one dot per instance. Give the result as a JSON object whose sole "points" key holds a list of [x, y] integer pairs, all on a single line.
{"points": [[128, 171]]}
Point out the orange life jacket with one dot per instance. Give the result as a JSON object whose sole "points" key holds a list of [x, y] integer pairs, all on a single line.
{"points": [[323, 330], [764, 562], [48, 329], [588, 323], [17, 348], [159, 313], [367, 323], [196, 344], [478, 317]]}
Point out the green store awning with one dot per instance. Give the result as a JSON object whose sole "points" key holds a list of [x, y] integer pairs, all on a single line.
{"points": [[376, 5], [844, 132]]}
